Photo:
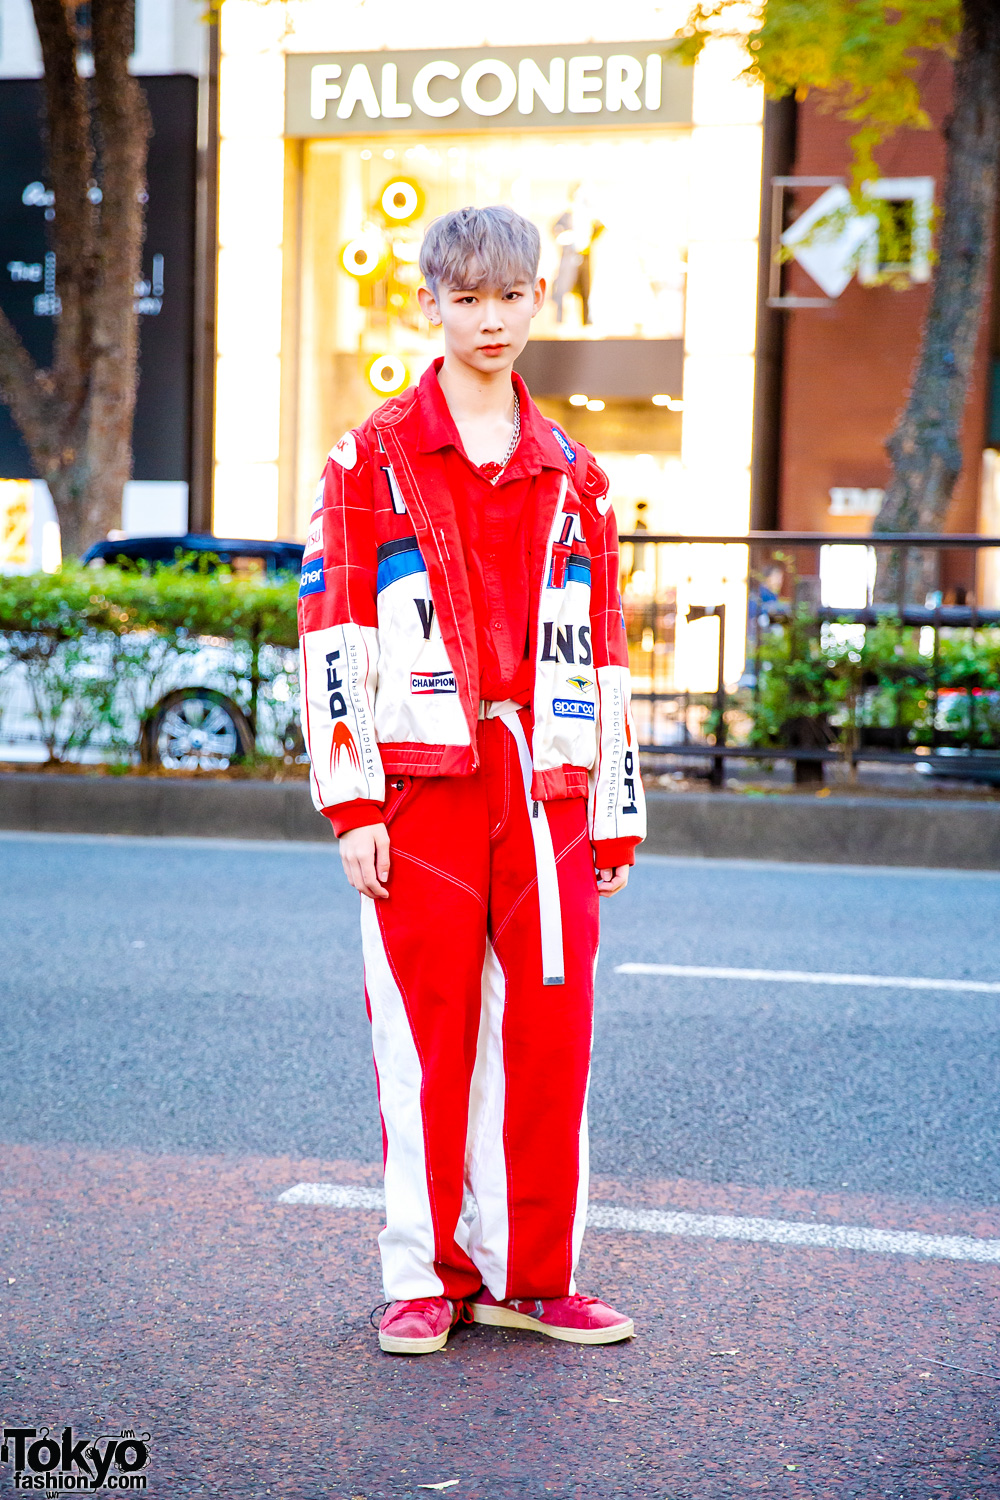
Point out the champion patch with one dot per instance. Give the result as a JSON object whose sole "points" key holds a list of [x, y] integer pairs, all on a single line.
{"points": [[313, 580], [345, 453], [565, 444], [433, 682], [572, 708]]}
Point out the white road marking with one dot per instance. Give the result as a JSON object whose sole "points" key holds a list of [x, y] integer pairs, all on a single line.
{"points": [[332, 1195], [786, 1232], [713, 1226], [804, 976], [803, 867]]}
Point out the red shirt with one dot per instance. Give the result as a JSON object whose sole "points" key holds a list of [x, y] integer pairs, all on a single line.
{"points": [[496, 522]]}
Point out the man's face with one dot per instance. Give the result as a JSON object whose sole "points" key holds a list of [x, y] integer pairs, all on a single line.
{"points": [[484, 327]]}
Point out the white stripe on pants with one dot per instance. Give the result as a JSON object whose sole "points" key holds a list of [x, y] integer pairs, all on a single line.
{"points": [[407, 1241], [484, 1233]]}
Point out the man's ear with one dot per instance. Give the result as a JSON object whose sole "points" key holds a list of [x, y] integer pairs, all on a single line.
{"points": [[539, 296], [428, 305]]}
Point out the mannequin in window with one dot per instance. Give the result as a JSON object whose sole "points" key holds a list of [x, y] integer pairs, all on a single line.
{"points": [[575, 232]]}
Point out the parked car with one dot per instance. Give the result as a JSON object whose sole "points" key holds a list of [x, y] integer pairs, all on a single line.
{"points": [[201, 717], [245, 557]]}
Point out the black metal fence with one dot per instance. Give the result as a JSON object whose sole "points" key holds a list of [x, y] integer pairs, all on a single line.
{"points": [[909, 679]]}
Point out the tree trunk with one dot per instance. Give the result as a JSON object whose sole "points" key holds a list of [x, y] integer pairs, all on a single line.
{"points": [[122, 127], [76, 417], [925, 449]]}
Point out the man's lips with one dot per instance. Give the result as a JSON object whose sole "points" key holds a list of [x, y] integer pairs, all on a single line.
{"points": [[492, 348]]}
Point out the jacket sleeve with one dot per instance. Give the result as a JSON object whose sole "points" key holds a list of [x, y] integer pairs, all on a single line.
{"points": [[617, 806], [338, 641]]}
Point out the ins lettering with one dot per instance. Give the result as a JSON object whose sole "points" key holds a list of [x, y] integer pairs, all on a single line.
{"points": [[583, 85], [565, 646]]}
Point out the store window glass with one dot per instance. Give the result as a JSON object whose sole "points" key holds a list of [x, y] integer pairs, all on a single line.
{"points": [[612, 210]]}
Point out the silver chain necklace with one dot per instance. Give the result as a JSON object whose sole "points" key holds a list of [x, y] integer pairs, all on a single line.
{"points": [[493, 470]]}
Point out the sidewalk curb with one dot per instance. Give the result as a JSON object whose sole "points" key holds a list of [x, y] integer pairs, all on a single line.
{"points": [[953, 835], [829, 830], [159, 806]]}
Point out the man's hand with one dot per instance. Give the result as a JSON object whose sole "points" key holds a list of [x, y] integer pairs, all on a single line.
{"points": [[610, 882], [364, 853]]}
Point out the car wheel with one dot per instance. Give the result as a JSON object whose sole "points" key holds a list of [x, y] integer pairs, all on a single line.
{"points": [[197, 729], [293, 743]]}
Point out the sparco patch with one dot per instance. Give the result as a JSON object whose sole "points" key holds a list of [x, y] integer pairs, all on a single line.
{"points": [[572, 708], [565, 444], [433, 682]]}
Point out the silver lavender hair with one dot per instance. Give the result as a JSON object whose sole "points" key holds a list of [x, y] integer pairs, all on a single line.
{"points": [[477, 247]]}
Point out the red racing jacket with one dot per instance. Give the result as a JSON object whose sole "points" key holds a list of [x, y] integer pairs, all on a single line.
{"points": [[389, 671]]}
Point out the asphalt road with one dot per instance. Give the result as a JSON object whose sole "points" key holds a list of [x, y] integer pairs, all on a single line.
{"points": [[191, 997], [182, 1037]]}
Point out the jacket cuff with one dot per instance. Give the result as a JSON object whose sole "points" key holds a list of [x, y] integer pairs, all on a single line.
{"points": [[611, 854], [357, 814]]}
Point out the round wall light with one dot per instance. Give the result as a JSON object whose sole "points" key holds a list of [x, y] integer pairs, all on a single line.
{"points": [[364, 256], [401, 200], [577, 400], [387, 374], [594, 405]]}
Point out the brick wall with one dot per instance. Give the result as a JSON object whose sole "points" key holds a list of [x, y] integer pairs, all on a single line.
{"points": [[847, 368]]}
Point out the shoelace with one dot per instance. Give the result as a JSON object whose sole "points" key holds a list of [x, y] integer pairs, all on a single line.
{"points": [[577, 1300], [461, 1312]]}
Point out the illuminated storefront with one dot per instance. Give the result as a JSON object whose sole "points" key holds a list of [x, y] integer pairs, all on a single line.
{"points": [[644, 179]]}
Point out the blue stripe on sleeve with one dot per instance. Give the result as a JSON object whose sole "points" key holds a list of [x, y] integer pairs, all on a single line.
{"points": [[401, 565]]}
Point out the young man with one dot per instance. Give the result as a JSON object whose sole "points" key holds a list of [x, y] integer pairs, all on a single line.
{"points": [[466, 707]]}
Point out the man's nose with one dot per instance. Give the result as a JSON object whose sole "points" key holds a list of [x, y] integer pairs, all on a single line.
{"points": [[492, 318]]}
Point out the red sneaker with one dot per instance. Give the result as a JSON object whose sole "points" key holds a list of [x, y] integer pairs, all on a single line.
{"points": [[419, 1326], [578, 1320]]}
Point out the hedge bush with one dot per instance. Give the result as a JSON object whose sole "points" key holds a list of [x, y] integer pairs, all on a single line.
{"points": [[97, 644], [829, 683]]}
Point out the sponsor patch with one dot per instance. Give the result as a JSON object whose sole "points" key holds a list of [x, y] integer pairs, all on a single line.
{"points": [[318, 498], [343, 740], [313, 579], [572, 708], [345, 453], [314, 541], [582, 684], [433, 682], [565, 444]]}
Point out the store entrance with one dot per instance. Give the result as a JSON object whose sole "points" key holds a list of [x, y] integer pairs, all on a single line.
{"points": [[605, 358]]}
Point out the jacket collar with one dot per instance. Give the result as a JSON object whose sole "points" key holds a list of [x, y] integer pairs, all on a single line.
{"points": [[538, 449]]}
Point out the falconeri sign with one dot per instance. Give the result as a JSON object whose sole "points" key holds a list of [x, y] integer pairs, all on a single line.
{"points": [[358, 93]]}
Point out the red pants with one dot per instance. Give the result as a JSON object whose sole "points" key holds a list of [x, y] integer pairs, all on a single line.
{"points": [[482, 1070]]}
